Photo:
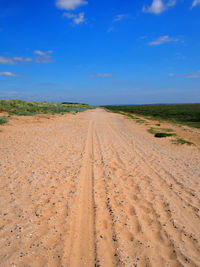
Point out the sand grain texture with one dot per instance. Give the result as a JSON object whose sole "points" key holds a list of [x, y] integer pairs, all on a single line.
{"points": [[96, 189]]}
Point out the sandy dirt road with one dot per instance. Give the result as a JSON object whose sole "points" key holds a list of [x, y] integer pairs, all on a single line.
{"points": [[96, 189]]}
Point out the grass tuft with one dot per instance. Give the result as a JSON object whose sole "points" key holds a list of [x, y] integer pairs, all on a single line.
{"points": [[140, 121], [182, 142], [152, 130], [168, 130], [161, 132], [3, 119]]}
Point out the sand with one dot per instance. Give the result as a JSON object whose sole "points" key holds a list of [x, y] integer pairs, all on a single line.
{"points": [[96, 189]]}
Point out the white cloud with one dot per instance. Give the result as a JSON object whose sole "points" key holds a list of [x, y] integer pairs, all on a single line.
{"points": [[80, 18], [189, 75], [119, 17], [28, 59], [38, 52], [102, 75], [195, 3], [43, 57], [23, 60], [163, 39], [70, 4], [77, 18], [7, 60], [14, 60], [158, 6], [18, 59], [10, 74]]}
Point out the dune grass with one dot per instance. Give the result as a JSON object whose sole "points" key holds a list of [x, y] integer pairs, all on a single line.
{"points": [[29, 108]]}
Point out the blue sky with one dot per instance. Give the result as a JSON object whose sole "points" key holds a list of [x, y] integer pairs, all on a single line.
{"points": [[100, 52]]}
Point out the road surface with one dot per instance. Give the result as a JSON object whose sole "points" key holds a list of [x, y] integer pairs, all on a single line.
{"points": [[96, 189]]}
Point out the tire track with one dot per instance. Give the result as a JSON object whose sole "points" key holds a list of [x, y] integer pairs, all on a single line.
{"points": [[82, 252], [107, 245]]}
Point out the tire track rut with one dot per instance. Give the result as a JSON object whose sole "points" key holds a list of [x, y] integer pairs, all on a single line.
{"points": [[82, 252]]}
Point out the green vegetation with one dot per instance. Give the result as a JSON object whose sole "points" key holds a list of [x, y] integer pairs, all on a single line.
{"points": [[161, 132], [140, 121], [167, 130], [3, 119], [152, 130], [28, 108], [161, 135], [131, 116], [155, 130], [182, 142], [187, 114]]}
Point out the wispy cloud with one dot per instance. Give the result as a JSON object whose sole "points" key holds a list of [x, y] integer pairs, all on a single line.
{"points": [[158, 6], [102, 75], [77, 18], [195, 3], [70, 4], [38, 52], [116, 19], [43, 57], [7, 60], [189, 75], [163, 39], [119, 17], [14, 60], [22, 59], [10, 74], [41, 53]]}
